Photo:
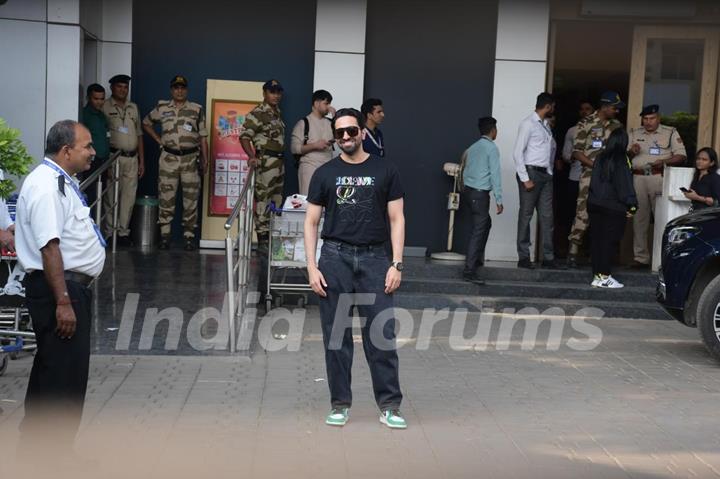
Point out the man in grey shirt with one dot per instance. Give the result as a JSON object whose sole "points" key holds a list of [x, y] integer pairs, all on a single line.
{"points": [[312, 139]]}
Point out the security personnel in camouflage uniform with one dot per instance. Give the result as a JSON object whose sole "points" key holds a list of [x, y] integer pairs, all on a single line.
{"points": [[263, 138], [592, 133], [183, 141], [652, 147]]}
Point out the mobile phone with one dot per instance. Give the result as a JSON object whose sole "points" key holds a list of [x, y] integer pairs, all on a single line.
{"points": [[684, 190]]}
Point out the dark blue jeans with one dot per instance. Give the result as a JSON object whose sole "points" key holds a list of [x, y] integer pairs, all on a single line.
{"points": [[355, 275]]}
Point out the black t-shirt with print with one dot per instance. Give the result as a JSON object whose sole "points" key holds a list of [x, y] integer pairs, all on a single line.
{"points": [[355, 197]]}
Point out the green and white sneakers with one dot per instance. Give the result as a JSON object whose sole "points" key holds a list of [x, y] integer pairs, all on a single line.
{"points": [[393, 419], [338, 417]]}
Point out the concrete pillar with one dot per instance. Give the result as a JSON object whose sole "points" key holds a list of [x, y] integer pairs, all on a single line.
{"points": [[520, 74], [340, 50]]}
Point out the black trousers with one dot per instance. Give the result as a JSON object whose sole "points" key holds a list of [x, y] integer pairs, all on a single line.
{"points": [[607, 228], [540, 199], [480, 207], [58, 381], [350, 273]]}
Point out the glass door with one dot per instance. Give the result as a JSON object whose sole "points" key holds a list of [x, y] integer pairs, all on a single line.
{"points": [[676, 67]]}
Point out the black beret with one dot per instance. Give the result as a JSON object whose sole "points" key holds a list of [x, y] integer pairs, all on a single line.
{"points": [[650, 110], [120, 79]]}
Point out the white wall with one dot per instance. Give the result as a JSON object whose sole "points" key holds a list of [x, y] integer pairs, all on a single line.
{"points": [[340, 50], [520, 74], [46, 63], [63, 77], [22, 96]]}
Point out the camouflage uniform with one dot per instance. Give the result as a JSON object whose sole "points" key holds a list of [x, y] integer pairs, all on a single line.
{"points": [[265, 129], [661, 144], [182, 128], [592, 133]]}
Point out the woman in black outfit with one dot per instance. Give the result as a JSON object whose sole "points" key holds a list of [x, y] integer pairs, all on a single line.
{"points": [[611, 200], [705, 187]]}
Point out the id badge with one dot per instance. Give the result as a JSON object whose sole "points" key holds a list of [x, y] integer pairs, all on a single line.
{"points": [[123, 129], [107, 135], [597, 143], [187, 127], [654, 151]]}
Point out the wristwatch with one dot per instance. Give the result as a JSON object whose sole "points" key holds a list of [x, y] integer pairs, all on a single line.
{"points": [[397, 265]]}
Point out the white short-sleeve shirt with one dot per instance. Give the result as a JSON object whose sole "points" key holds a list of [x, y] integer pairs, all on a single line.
{"points": [[44, 213], [5, 218]]}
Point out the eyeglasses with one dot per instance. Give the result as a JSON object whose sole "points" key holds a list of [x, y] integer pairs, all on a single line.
{"points": [[352, 132]]}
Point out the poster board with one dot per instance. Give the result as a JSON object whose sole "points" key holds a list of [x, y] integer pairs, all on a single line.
{"points": [[213, 231], [228, 161]]}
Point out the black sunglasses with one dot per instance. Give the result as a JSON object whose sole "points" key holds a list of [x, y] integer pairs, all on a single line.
{"points": [[352, 132]]}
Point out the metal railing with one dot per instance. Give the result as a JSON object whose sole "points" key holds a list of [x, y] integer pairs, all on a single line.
{"points": [[97, 178], [238, 272]]}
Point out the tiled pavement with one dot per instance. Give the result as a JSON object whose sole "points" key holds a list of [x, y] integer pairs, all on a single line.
{"points": [[643, 403]]}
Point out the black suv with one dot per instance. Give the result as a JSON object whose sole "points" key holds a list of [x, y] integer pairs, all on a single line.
{"points": [[689, 282]]}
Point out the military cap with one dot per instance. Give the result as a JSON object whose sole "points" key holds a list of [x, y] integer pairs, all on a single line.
{"points": [[612, 98], [650, 110], [178, 80], [120, 79], [273, 85]]}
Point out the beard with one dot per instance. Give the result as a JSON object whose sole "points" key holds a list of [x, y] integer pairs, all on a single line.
{"points": [[351, 148]]}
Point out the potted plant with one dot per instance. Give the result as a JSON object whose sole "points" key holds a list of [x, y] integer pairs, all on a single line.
{"points": [[14, 158]]}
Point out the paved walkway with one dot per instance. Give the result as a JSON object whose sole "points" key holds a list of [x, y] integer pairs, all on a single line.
{"points": [[643, 403]]}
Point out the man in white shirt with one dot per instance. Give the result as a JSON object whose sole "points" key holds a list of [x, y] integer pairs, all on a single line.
{"points": [[312, 139], [7, 225], [533, 155], [63, 251]]}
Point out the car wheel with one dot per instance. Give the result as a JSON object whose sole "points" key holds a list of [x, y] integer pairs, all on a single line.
{"points": [[708, 317]]}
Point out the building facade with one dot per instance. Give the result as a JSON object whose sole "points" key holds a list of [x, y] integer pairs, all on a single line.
{"points": [[438, 66]]}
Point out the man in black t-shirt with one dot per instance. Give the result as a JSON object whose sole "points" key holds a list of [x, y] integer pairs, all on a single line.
{"points": [[361, 195]]}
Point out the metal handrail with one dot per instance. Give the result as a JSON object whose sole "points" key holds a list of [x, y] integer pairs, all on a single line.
{"points": [[103, 168], [237, 273], [97, 178], [238, 206]]}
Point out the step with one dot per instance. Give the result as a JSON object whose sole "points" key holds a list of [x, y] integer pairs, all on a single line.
{"points": [[435, 270], [612, 309], [526, 289]]}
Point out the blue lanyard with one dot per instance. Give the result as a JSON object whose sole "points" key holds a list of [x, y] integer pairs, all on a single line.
{"points": [[75, 188]]}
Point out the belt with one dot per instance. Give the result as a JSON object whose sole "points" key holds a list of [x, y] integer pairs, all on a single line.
{"points": [[354, 247], [81, 278], [181, 152], [536, 168], [643, 172], [129, 154], [276, 154]]}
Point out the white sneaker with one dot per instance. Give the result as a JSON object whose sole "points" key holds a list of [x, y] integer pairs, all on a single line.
{"points": [[609, 282], [597, 279]]}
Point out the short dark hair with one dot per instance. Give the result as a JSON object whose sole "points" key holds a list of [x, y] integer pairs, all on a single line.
{"points": [[61, 133], [322, 95], [544, 99], [369, 105], [486, 125], [348, 112], [95, 88]]}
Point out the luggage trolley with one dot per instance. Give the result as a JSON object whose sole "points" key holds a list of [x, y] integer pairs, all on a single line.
{"points": [[16, 334], [286, 253]]}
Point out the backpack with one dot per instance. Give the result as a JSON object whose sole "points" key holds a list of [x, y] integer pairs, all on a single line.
{"points": [[306, 132]]}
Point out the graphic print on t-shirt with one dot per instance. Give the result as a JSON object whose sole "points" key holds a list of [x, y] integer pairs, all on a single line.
{"points": [[354, 197]]}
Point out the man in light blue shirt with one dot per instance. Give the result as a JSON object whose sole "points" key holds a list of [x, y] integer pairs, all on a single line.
{"points": [[481, 175]]}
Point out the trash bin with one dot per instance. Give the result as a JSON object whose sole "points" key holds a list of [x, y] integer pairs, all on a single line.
{"points": [[144, 225]]}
